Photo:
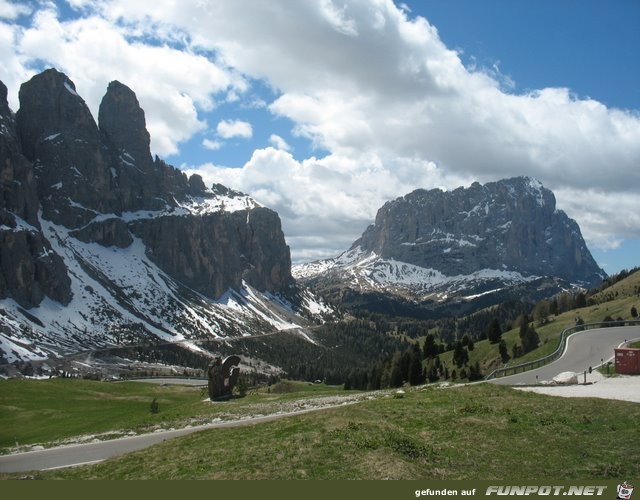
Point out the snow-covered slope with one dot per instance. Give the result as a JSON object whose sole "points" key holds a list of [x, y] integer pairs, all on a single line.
{"points": [[367, 272], [121, 297]]}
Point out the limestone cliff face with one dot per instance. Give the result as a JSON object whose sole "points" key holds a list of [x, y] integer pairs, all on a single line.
{"points": [[511, 224], [29, 269], [215, 252], [101, 183]]}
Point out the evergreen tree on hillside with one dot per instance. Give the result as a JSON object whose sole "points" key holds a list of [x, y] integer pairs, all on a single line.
{"points": [[416, 372], [504, 353], [432, 373], [460, 355], [541, 312], [528, 337], [494, 333], [430, 348], [474, 372]]}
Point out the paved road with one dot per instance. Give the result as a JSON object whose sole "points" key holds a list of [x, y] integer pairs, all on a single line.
{"points": [[584, 349], [84, 454], [198, 382]]}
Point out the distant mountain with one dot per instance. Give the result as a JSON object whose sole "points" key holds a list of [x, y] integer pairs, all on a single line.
{"points": [[467, 246], [101, 243]]}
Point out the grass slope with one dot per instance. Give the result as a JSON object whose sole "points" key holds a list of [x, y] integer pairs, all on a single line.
{"points": [[467, 432], [47, 412]]}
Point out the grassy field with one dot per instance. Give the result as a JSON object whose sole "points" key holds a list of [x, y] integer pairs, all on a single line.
{"points": [[467, 432], [47, 412]]}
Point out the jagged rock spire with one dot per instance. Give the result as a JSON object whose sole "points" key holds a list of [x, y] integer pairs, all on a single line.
{"points": [[122, 120]]}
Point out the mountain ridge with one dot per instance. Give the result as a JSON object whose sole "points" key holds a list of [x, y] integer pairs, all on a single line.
{"points": [[102, 242], [436, 245]]}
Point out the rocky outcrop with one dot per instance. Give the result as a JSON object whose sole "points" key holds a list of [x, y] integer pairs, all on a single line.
{"points": [[103, 244], [433, 253], [18, 191], [123, 122], [112, 232], [511, 224], [60, 137], [29, 268], [218, 251]]}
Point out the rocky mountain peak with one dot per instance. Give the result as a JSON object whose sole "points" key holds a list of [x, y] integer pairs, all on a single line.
{"points": [[510, 225], [459, 250], [49, 104], [29, 269], [122, 120]]}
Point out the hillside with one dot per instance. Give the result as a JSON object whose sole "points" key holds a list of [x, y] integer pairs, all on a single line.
{"points": [[614, 302], [473, 432]]}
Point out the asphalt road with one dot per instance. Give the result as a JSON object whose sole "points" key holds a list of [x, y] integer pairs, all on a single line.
{"points": [[84, 454], [584, 349], [198, 382]]}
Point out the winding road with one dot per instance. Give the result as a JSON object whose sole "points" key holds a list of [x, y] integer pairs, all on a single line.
{"points": [[583, 350]]}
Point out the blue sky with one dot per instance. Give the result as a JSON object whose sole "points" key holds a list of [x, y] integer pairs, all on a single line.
{"points": [[586, 45], [325, 109]]}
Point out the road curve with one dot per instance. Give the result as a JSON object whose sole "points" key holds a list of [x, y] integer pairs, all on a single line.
{"points": [[584, 349], [84, 454]]}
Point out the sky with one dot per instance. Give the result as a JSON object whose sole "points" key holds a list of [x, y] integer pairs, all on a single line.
{"points": [[325, 109]]}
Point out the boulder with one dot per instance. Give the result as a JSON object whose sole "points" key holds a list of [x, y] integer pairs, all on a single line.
{"points": [[566, 378]]}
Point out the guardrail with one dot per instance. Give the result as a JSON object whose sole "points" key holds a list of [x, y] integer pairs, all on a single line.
{"points": [[530, 365]]}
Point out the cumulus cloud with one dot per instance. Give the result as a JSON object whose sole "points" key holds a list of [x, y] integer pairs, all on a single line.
{"points": [[384, 92], [228, 129], [324, 203], [362, 79]]}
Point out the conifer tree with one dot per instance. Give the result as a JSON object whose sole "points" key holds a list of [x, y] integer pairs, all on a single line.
{"points": [[495, 333]]}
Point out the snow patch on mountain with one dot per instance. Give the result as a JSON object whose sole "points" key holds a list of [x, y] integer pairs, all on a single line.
{"points": [[367, 271], [121, 297]]}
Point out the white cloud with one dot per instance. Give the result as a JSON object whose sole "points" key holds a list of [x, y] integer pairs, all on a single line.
{"points": [[11, 11], [598, 212], [279, 143], [13, 70], [394, 107], [324, 203], [228, 129], [212, 145]]}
